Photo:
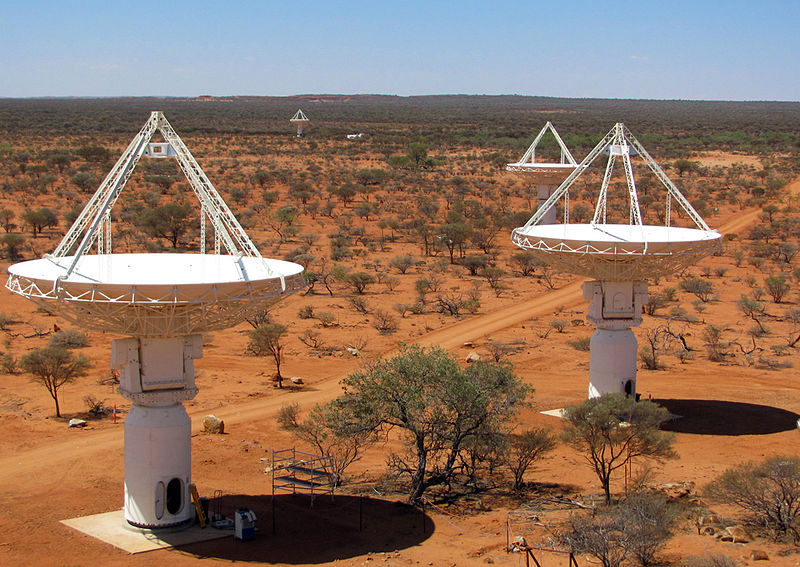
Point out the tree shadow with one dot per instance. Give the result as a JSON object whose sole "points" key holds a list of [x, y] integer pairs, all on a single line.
{"points": [[349, 526], [714, 417]]}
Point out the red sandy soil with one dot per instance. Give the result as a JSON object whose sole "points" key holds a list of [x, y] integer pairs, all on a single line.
{"points": [[48, 472]]}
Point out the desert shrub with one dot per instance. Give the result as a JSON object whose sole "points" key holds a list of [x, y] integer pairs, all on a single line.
{"points": [[710, 560], [768, 491], [326, 319], [312, 339], [610, 431], [715, 346], [493, 277], [639, 526], [359, 304], [331, 430], [12, 245], [558, 324], [648, 354], [656, 302], [699, 287], [454, 303], [475, 263], [498, 350], [390, 282], [524, 263], [95, 407], [7, 319], [777, 287], [8, 364], [359, 281], [581, 344], [306, 312], [423, 286], [649, 521], [525, 448], [402, 263], [384, 321], [68, 338]]}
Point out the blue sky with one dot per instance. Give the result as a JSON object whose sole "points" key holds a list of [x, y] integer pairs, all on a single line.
{"points": [[730, 50]]}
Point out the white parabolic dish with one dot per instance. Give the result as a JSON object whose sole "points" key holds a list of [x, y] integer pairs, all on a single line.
{"points": [[617, 252], [155, 294]]}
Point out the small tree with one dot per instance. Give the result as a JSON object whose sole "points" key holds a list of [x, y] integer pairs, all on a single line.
{"points": [[493, 277], [331, 429], [715, 346], [359, 281], [699, 287], [439, 406], [170, 221], [649, 520], [69, 339], [12, 243], [402, 263], [7, 219], [777, 287], [417, 153], [267, 340], [525, 449], [639, 526], [768, 491], [475, 263], [454, 235], [525, 263], [84, 181], [52, 367], [281, 220], [612, 430], [601, 536], [753, 309]]}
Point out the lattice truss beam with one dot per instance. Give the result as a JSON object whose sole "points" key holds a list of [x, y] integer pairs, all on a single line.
{"points": [[529, 157], [94, 222], [299, 116], [620, 143]]}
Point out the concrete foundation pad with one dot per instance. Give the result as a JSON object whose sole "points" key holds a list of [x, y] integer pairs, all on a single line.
{"points": [[112, 528]]}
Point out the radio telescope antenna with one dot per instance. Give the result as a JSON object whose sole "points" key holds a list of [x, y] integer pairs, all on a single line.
{"points": [[546, 176], [164, 303], [620, 258], [300, 120]]}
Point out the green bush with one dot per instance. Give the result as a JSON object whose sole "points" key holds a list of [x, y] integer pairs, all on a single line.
{"points": [[68, 338]]}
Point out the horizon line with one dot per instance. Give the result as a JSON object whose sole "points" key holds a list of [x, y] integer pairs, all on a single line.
{"points": [[321, 95]]}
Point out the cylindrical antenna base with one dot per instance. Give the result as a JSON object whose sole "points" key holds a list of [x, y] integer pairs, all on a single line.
{"points": [[158, 469], [612, 362]]}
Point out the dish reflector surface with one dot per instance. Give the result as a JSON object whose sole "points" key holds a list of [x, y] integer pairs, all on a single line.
{"points": [[155, 294]]}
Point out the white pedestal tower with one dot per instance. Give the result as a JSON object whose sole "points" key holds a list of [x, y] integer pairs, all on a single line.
{"points": [[545, 176], [164, 302], [620, 258]]}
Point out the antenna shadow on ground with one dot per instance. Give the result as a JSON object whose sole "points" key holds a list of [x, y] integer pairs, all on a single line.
{"points": [[322, 534], [715, 417]]}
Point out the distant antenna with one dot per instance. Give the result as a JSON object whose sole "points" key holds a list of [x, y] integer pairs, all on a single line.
{"points": [[546, 176], [620, 258], [300, 119]]}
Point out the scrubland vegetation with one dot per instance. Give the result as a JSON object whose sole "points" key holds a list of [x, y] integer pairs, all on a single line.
{"points": [[406, 230]]}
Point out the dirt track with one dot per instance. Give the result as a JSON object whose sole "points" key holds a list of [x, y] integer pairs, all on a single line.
{"points": [[58, 454]]}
